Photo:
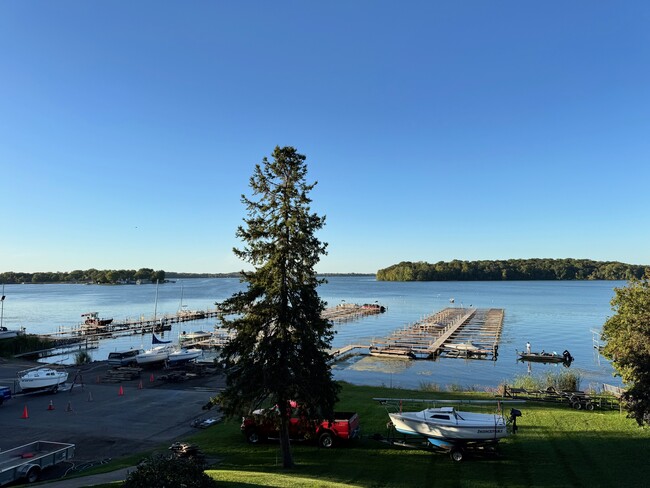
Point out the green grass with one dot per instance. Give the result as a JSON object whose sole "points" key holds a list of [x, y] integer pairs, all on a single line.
{"points": [[555, 446]]}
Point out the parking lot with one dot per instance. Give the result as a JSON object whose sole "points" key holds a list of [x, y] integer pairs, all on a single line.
{"points": [[105, 420]]}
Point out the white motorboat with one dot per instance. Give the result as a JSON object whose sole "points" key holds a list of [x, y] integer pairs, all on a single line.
{"points": [[466, 348], [449, 424], [6, 333], [183, 355], [156, 354], [9, 333], [41, 379]]}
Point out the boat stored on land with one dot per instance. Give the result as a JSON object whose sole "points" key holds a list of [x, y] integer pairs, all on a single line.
{"points": [[183, 355], [124, 358], [448, 429], [41, 378], [26, 462], [450, 424]]}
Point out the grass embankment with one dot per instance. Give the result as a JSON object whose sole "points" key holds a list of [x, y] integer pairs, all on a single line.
{"points": [[555, 446]]}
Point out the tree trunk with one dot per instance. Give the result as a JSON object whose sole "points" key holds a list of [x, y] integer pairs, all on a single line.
{"points": [[287, 456]]}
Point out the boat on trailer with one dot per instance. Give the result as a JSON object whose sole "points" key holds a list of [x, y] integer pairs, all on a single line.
{"points": [[447, 428], [41, 379]]}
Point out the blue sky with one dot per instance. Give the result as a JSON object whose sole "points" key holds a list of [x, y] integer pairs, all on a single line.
{"points": [[436, 130]]}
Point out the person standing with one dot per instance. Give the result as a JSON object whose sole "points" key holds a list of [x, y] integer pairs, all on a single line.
{"points": [[528, 348]]}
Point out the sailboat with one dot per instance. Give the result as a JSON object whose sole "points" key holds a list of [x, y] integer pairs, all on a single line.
{"points": [[182, 355], [160, 349], [4, 332]]}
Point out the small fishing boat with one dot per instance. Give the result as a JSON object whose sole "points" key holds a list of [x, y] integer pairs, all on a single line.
{"points": [[41, 378], [449, 424], [392, 352], [546, 357]]}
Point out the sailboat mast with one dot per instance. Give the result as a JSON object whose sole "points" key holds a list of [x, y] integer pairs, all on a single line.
{"points": [[155, 307], [2, 307]]}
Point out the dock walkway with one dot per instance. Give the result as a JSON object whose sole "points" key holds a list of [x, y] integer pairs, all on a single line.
{"points": [[452, 332]]}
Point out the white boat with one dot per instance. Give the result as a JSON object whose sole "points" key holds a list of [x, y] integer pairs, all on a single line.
{"points": [[183, 355], [156, 354], [4, 332], [467, 348], [449, 424], [41, 379], [9, 333]]}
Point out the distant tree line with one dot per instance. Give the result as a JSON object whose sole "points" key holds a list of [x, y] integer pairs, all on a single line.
{"points": [[105, 276], [511, 269]]}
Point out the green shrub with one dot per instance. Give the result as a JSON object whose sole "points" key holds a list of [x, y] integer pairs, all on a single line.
{"points": [[82, 357], [161, 471]]}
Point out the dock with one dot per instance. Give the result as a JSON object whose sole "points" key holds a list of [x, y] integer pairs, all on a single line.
{"points": [[452, 332], [351, 311]]}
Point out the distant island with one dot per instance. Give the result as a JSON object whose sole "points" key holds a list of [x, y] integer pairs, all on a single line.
{"points": [[512, 269]]}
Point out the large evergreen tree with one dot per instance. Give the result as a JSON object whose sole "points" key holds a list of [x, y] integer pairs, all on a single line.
{"points": [[628, 345], [280, 352]]}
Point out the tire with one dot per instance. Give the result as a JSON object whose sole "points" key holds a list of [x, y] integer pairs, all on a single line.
{"points": [[253, 436], [456, 454], [577, 405], [326, 440], [33, 474], [589, 406]]}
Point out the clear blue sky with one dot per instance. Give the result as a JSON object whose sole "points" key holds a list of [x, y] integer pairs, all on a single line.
{"points": [[436, 130]]}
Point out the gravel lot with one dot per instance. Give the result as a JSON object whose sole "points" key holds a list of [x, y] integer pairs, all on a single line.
{"points": [[98, 420]]}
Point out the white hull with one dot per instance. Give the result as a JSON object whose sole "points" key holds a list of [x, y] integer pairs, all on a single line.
{"points": [[8, 334], [156, 354], [183, 355], [450, 425], [41, 379]]}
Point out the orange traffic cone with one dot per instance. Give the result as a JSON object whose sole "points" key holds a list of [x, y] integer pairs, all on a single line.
{"points": [[151, 378], [121, 392], [25, 414], [50, 406], [140, 385], [69, 407]]}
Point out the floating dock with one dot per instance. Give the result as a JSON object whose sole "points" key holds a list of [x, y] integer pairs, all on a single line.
{"points": [[351, 311], [452, 332]]}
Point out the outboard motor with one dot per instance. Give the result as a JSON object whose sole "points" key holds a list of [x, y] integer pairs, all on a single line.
{"points": [[514, 413], [567, 356]]}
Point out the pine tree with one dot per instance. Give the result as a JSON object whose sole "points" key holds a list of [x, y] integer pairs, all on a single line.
{"points": [[279, 354], [628, 345]]}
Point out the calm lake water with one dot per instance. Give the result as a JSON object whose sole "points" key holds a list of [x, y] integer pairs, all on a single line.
{"points": [[552, 315]]}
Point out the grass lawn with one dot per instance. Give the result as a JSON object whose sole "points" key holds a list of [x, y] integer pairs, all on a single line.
{"points": [[555, 446]]}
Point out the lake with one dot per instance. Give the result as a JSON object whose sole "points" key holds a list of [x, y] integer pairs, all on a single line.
{"points": [[552, 315]]}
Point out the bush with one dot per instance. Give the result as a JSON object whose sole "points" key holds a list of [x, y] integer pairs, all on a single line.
{"points": [[82, 357], [163, 471]]}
